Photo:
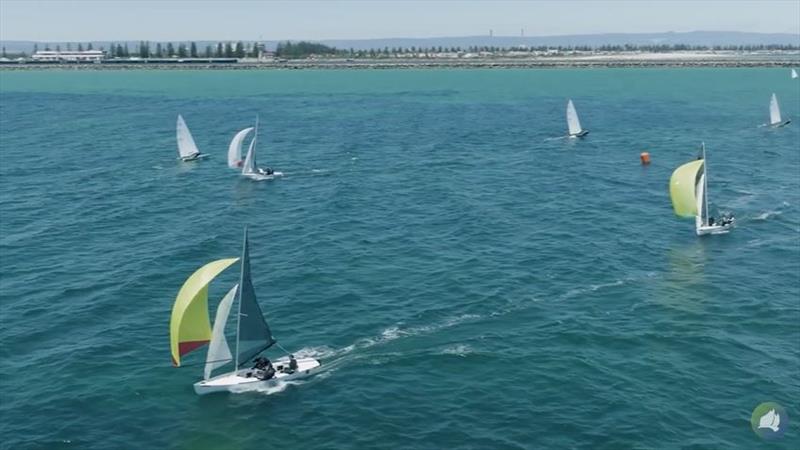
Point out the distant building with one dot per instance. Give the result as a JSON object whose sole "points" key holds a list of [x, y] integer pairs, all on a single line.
{"points": [[49, 55]]}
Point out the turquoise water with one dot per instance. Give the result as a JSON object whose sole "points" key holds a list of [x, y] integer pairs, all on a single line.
{"points": [[466, 281]]}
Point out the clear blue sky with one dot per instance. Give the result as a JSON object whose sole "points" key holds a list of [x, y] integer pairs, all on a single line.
{"points": [[81, 20]]}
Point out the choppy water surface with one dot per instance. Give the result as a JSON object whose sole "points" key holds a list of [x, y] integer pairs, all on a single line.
{"points": [[466, 281]]}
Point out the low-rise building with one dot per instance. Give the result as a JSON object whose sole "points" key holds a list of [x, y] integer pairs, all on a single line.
{"points": [[55, 56]]}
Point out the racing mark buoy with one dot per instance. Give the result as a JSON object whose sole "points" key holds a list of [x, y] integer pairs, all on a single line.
{"points": [[645, 157]]}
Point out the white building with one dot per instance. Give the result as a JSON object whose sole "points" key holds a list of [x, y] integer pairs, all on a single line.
{"points": [[49, 55]]}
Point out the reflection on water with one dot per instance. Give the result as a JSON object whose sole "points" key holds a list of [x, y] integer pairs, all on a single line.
{"points": [[683, 284]]}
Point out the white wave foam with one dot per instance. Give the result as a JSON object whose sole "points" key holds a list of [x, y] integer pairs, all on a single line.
{"points": [[461, 350], [272, 387], [593, 288], [320, 352], [391, 333], [768, 215]]}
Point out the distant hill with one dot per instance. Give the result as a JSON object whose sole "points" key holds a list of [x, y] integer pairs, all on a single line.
{"points": [[708, 38]]}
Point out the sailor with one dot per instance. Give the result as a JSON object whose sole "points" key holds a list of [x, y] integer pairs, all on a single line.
{"points": [[264, 369], [261, 363], [727, 219], [292, 363], [268, 171], [710, 221]]}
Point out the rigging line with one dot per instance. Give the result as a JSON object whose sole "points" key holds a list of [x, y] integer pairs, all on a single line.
{"points": [[281, 347]]}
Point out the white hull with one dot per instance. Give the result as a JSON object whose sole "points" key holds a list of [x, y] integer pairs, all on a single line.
{"points": [[579, 135], [714, 229], [231, 382], [780, 124], [262, 177], [194, 157]]}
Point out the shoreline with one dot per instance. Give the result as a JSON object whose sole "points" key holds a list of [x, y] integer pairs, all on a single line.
{"points": [[663, 60]]}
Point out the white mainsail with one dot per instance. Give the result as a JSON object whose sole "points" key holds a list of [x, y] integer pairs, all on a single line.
{"points": [[774, 111], [794, 74], [249, 165], [186, 146], [701, 219], [573, 122], [219, 353], [235, 149]]}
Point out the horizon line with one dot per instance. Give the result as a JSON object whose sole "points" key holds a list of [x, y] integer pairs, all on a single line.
{"points": [[407, 37]]}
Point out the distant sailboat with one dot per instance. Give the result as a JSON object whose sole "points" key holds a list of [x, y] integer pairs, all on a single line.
{"points": [[574, 124], [249, 167], [775, 113], [187, 149], [794, 74], [190, 329], [688, 189]]}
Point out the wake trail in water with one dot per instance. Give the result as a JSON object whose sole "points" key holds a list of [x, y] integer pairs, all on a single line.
{"points": [[334, 358], [555, 138], [308, 173]]}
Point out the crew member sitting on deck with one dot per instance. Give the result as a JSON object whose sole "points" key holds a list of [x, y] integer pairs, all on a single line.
{"points": [[268, 171], [264, 369], [727, 219]]}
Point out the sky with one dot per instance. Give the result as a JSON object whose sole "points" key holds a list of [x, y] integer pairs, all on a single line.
{"points": [[177, 20]]}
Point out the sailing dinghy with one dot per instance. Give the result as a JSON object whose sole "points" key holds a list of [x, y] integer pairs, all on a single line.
{"points": [[190, 329], [794, 74], [688, 189], [235, 148], [249, 167], [775, 120], [187, 149], [573, 123]]}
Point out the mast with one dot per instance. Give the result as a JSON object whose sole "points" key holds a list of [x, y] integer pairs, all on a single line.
{"points": [[705, 181], [239, 310], [255, 137]]}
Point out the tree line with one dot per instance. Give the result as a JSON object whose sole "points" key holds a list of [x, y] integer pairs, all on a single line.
{"points": [[146, 49], [304, 49]]}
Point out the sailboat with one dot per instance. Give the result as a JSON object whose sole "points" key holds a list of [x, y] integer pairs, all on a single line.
{"points": [[235, 148], [249, 167], [688, 189], [187, 149], [794, 74], [574, 124], [775, 113], [190, 329]]}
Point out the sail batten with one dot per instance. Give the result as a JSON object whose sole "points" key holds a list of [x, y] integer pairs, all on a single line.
{"points": [[774, 111], [235, 148], [573, 122], [186, 146]]}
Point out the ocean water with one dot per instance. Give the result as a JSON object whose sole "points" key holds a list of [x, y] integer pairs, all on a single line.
{"points": [[466, 280]]}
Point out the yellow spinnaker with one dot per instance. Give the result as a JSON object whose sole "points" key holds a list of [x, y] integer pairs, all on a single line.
{"points": [[189, 327], [682, 186]]}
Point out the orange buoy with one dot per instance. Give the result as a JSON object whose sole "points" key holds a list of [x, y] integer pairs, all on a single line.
{"points": [[645, 157]]}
